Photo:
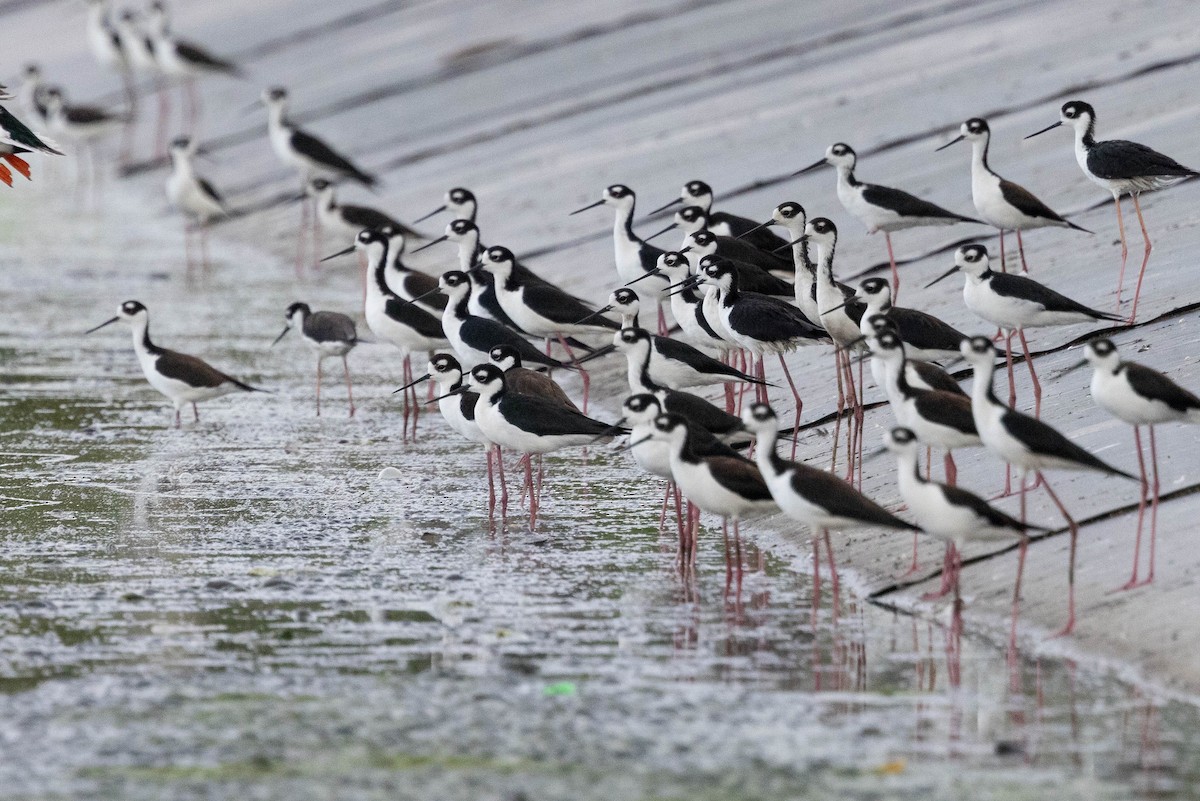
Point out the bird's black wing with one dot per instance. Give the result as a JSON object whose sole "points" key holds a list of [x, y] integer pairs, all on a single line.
{"points": [[755, 278], [323, 154], [907, 205], [771, 320], [683, 352], [547, 418], [925, 331], [418, 283], [528, 277], [936, 377], [413, 316], [211, 191], [699, 412], [739, 476], [19, 132], [484, 334], [1019, 286], [763, 238], [552, 303], [1026, 202], [1041, 438], [326, 326], [467, 404], [702, 443], [947, 409], [993, 516], [193, 371], [1153, 384], [1117, 159], [84, 115], [197, 55], [366, 217], [839, 498]]}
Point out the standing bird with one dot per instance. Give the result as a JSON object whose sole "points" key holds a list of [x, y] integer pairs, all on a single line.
{"points": [[346, 220], [811, 496], [722, 223], [947, 512], [525, 381], [1015, 302], [881, 208], [104, 39], [925, 337], [329, 334], [138, 47], [194, 198], [1122, 168], [1139, 396], [1031, 446], [693, 220], [84, 125], [460, 202], [185, 61], [307, 154], [182, 378], [1008, 206]]}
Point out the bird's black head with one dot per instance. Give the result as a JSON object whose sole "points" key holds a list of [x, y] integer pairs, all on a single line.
{"points": [[691, 214], [901, 437], [297, 308], [131, 308], [673, 258], [790, 210], [461, 227], [841, 149], [669, 423], [276, 93], [642, 402], [498, 253], [880, 323], [369, 236], [704, 238], [505, 357], [980, 345], [973, 254], [618, 191], [976, 125], [319, 184], [181, 143], [873, 287], [632, 336], [487, 375], [1076, 109], [822, 225], [444, 364], [624, 296], [32, 72], [1102, 347], [454, 278], [458, 195], [697, 189], [888, 341], [762, 412]]}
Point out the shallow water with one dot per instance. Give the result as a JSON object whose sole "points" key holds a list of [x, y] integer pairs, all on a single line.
{"points": [[244, 606]]}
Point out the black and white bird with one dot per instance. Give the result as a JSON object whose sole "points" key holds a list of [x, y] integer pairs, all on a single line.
{"points": [[1121, 168], [693, 220], [138, 47], [702, 244], [687, 304], [104, 40], [346, 220], [1139, 396], [1016, 302], [457, 406], [184, 61], [998, 202], [674, 363], [792, 217], [525, 381], [881, 208], [926, 338], [472, 336], [193, 197], [182, 378], [461, 204], [85, 126], [722, 223], [634, 257], [330, 334], [1031, 446], [528, 424], [949, 513], [816, 498], [414, 285], [919, 374], [302, 151]]}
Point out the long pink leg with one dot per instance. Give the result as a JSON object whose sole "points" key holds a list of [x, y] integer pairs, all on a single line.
{"points": [[204, 260], [841, 407], [187, 247], [583, 374], [349, 389], [729, 388], [406, 376], [662, 321], [662, 517], [833, 573], [1137, 292], [760, 390], [1016, 601], [1156, 487], [816, 577], [852, 393], [1037, 385], [895, 273], [799, 404], [503, 481], [947, 575], [195, 413], [678, 512], [1021, 250], [194, 97], [1003, 260], [860, 418], [1074, 528], [491, 474], [1012, 383], [951, 469], [1124, 249], [318, 386], [1145, 495], [178, 419], [528, 460]]}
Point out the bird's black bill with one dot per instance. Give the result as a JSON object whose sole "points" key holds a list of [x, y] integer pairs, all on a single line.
{"points": [[424, 295], [339, 253], [585, 208], [432, 242], [450, 394], [666, 206], [412, 383], [1073, 367], [596, 313], [835, 308], [758, 227], [106, 322], [875, 454], [660, 233], [282, 334], [951, 142], [632, 445], [438, 210], [790, 244], [608, 432], [1047, 128], [810, 167], [649, 274], [852, 344], [946, 274]]}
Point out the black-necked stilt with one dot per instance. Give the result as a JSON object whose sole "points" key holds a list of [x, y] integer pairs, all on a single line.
{"points": [[525, 381], [687, 304], [472, 336], [184, 61], [635, 343], [925, 337], [703, 244], [413, 285], [457, 406], [182, 378], [1139, 396], [762, 324], [674, 363], [634, 257], [1031, 446], [83, 125], [881, 208], [693, 220], [138, 47], [792, 217], [1014, 303], [919, 374], [528, 424], [728, 486], [104, 39], [698, 193], [194, 197], [395, 319], [1008, 206], [947, 512], [542, 309], [461, 204], [347, 220], [840, 314], [15, 137], [816, 498], [1122, 168], [329, 334]]}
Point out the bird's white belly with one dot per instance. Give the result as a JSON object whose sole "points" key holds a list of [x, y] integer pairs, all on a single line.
{"points": [[452, 414], [1115, 396], [653, 456], [698, 486]]}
